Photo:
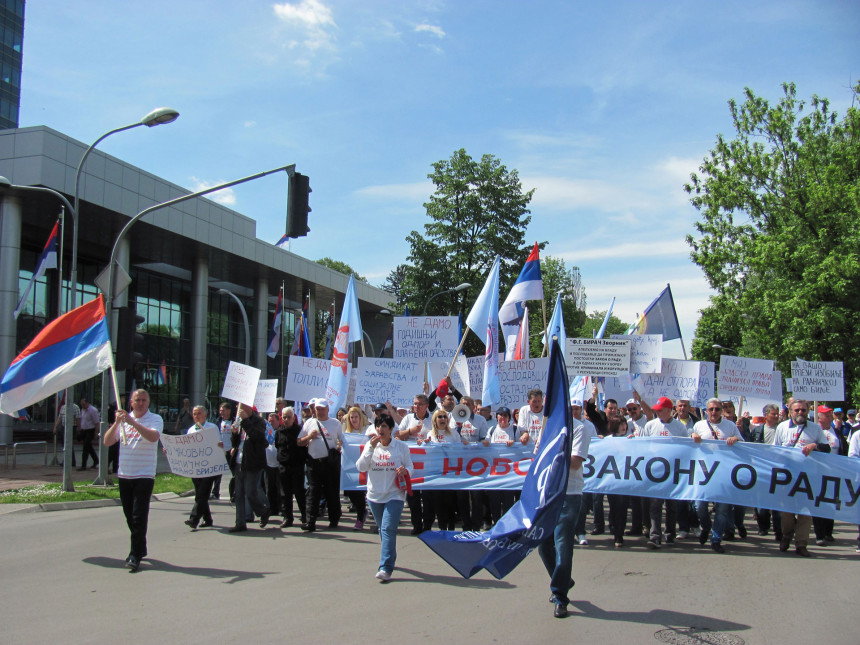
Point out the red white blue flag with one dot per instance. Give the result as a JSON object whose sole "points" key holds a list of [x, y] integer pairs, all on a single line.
{"points": [[275, 331], [70, 349], [48, 260]]}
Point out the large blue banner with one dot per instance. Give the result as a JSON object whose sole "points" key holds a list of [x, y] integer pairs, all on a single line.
{"points": [[533, 518], [749, 474]]}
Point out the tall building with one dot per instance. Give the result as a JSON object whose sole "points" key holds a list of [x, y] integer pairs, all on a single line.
{"points": [[11, 43]]}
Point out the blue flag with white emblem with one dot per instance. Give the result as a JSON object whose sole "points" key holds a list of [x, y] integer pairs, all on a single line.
{"points": [[533, 518]]}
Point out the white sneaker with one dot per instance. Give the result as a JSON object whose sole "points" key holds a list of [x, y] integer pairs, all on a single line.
{"points": [[583, 541], [682, 535], [383, 576]]}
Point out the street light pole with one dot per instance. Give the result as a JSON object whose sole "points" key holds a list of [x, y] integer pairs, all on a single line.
{"points": [[459, 287], [290, 169], [245, 321], [68, 435]]}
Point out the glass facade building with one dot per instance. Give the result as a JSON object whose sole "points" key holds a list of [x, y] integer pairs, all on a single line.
{"points": [[11, 45]]}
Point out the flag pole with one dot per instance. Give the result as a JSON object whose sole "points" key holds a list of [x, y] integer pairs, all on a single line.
{"points": [[457, 353], [545, 326], [675, 311]]}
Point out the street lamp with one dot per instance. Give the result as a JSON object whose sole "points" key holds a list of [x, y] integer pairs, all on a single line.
{"points": [[68, 437], [459, 287], [245, 321], [728, 349], [111, 267]]}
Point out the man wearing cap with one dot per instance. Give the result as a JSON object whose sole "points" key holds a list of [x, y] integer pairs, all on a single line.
{"points": [[663, 426], [413, 429], [639, 412], [715, 428], [822, 526], [852, 421], [320, 435], [797, 433]]}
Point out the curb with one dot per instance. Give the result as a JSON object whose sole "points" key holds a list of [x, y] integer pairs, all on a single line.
{"points": [[88, 503]]}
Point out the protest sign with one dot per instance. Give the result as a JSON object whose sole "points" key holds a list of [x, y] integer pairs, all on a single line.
{"points": [[516, 378], [350, 392], [476, 373], [597, 356], [818, 380], [388, 379], [425, 338], [196, 454], [240, 384], [267, 394], [741, 376], [677, 380], [619, 387], [459, 375], [646, 352], [754, 404], [306, 378]]}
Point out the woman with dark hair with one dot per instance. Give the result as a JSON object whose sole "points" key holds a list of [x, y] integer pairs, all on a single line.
{"points": [[249, 445], [388, 464]]}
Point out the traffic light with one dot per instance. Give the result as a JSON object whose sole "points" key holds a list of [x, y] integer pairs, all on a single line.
{"points": [[127, 338], [297, 205]]}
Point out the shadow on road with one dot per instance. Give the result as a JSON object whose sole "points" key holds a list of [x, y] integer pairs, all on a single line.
{"points": [[230, 576], [661, 617], [456, 581]]}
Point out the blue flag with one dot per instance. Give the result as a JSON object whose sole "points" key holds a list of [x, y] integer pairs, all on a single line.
{"points": [[533, 518]]}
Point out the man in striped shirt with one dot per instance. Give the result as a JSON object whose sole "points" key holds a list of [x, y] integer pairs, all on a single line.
{"points": [[138, 455]]}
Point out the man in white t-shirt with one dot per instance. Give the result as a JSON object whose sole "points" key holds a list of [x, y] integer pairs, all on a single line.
{"points": [[413, 429], [323, 475], [557, 552], [715, 428], [663, 426], [797, 432], [530, 418], [138, 456]]}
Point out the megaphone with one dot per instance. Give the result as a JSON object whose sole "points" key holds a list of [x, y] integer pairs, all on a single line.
{"points": [[461, 413]]}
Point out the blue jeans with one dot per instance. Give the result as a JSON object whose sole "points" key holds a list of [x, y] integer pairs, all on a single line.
{"points": [[387, 517], [722, 518], [557, 553]]}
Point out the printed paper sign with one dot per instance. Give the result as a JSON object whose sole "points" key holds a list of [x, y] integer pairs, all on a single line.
{"points": [[267, 394], [646, 352], [818, 380], [388, 379], [459, 375], [195, 455], [306, 378], [516, 378], [597, 356], [425, 338], [678, 380], [740, 376], [240, 384]]}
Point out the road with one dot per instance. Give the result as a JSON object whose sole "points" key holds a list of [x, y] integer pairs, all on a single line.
{"points": [[63, 581]]}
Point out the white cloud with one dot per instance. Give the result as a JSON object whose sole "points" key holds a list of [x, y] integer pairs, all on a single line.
{"points": [[250, 124], [566, 194], [225, 197], [604, 249], [417, 192], [315, 25], [433, 29]]}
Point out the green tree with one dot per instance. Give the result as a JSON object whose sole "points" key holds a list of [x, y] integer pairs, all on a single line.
{"points": [[394, 284], [478, 210], [340, 267], [780, 228], [594, 320]]}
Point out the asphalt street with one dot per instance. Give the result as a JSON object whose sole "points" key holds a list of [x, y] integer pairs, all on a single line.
{"points": [[64, 581]]}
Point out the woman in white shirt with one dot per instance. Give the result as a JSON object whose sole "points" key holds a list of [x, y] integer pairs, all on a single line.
{"points": [[386, 461], [444, 501], [355, 421]]}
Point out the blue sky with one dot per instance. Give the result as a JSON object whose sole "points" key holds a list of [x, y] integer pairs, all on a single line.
{"points": [[603, 108]]}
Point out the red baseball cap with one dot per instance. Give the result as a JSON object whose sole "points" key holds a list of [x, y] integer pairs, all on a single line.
{"points": [[663, 403], [823, 409]]}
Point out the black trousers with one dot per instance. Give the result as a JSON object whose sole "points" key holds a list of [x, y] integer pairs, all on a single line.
{"points": [[618, 515], [422, 510], [135, 495], [272, 486], [292, 478], [87, 450], [323, 481], [202, 491], [358, 498]]}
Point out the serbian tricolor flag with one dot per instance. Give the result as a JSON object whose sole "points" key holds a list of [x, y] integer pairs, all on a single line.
{"points": [[275, 331], [529, 286], [70, 349], [284, 242], [161, 374], [301, 340], [48, 260]]}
